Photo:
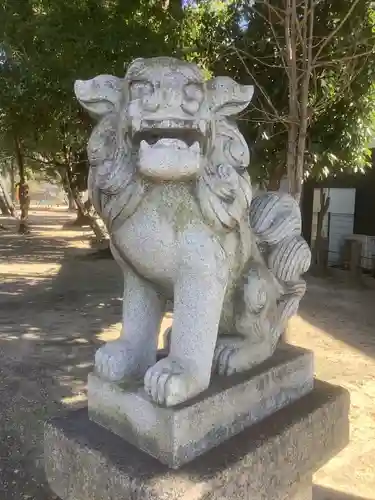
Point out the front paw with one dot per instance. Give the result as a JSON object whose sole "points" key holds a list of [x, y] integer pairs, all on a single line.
{"points": [[112, 361], [169, 383]]}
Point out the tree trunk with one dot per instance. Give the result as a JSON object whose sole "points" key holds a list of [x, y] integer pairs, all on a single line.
{"points": [[275, 178], [99, 231], [69, 191], [307, 29], [83, 220], [291, 62], [318, 259], [71, 203], [12, 182], [291, 160], [83, 210], [66, 183], [299, 75], [24, 196]]}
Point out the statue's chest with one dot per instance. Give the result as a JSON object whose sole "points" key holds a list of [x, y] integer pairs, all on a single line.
{"points": [[150, 239]]}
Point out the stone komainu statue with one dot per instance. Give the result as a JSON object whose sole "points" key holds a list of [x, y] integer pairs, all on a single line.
{"points": [[168, 174]]}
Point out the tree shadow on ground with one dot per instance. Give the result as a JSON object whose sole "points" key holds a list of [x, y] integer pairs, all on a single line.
{"points": [[49, 330], [343, 313], [79, 287]]}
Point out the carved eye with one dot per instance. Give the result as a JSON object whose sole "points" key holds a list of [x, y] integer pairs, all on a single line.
{"points": [[194, 92], [140, 89], [193, 97]]}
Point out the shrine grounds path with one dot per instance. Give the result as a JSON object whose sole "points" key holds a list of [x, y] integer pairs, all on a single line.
{"points": [[57, 306]]}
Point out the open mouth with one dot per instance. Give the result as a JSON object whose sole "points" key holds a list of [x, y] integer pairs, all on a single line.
{"points": [[177, 135], [169, 150]]}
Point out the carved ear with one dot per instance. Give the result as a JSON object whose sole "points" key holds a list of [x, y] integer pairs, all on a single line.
{"points": [[99, 96], [135, 67], [228, 97]]}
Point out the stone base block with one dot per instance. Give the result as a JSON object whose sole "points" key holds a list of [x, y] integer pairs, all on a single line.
{"points": [[273, 459], [178, 435]]}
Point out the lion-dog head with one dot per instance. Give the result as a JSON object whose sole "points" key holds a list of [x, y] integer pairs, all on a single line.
{"points": [[163, 122]]}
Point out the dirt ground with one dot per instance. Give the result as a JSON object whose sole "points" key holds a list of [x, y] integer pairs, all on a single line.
{"points": [[57, 306]]}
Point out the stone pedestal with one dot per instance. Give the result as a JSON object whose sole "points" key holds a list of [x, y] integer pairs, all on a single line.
{"points": [[272, 459], [178, 435]]}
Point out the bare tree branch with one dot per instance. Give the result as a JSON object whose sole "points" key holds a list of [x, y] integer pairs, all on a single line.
{"points": [[270, 23], [259, 60], [332, 62], [264, 93], [326, 40]]}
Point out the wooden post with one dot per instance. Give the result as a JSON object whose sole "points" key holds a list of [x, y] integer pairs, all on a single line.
{"points": [[355, 261]]}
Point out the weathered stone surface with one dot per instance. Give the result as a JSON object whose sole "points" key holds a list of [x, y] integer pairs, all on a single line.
{"points": [[271, 459], [168, 175], [178, 435]]}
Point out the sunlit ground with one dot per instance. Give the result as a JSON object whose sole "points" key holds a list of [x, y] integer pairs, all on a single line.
{"points": [[353, 470]]}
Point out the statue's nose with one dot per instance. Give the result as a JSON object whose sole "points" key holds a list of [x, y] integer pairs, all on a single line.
{"points": [[171, 98], [166, 98], [152, 102]]}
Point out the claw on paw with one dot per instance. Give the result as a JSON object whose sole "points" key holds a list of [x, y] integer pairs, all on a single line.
{"points": [[168, 383], [235, 356], [222, 359]]}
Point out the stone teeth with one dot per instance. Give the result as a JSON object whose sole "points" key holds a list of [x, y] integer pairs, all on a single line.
{"points": [[136, 124], [195, 148], [202, 126], [171, 142], [148, 124], [167, 141], [166, 124]]}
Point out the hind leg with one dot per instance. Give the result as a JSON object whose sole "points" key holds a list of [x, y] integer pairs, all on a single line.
{"points": [[259, 339], [237, 353], [252, 342]]}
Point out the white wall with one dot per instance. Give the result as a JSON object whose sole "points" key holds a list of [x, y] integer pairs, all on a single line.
{"points": [[340, 226], [339, 220]]}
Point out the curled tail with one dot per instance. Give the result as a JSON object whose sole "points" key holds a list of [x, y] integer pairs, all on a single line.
{"points": [[275, 219]]}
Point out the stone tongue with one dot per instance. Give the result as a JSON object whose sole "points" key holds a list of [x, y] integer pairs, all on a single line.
{"points": [[171, 142]]}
